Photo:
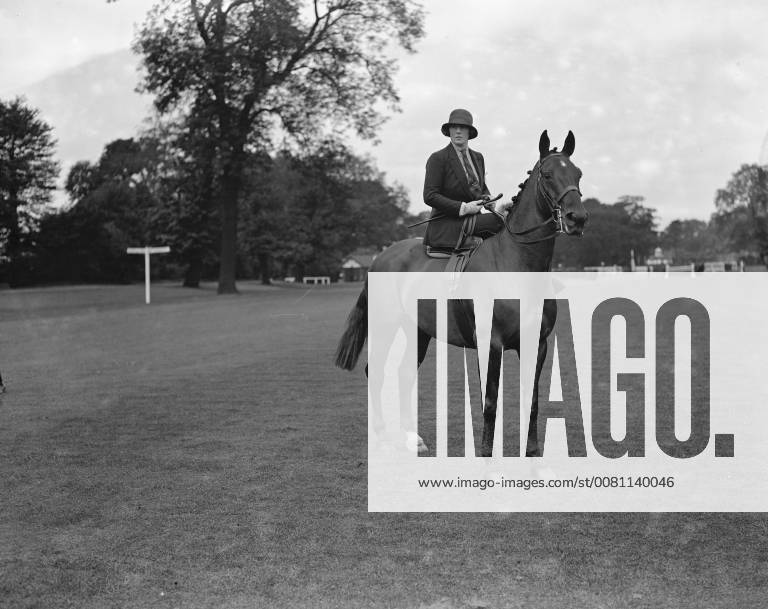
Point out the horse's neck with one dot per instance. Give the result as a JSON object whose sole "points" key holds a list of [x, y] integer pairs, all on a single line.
{"points": [[512, 252], [524, 257]]}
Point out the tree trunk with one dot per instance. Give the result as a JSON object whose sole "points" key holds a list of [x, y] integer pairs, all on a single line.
{"points": [[194, 272], [230, 192], [14, 269], [13, 246], [265, 268]]}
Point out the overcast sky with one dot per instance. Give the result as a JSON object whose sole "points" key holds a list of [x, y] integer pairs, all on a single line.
{"points": [[666, 98]]}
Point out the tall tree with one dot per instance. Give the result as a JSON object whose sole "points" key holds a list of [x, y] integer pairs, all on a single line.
{"points": [[113, 207], [324, 204], [259, 67], [742, 210], [186, 192], [639, 227], [27, 176], [687, 241]]}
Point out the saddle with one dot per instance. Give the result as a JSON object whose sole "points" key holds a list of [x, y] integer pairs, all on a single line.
{"points": [[459, 255]]}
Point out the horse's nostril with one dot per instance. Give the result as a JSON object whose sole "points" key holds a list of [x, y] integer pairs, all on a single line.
{"points": [[578, 219]]}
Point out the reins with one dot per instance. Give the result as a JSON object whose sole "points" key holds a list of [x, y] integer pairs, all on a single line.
{"points": [[555, 208]]}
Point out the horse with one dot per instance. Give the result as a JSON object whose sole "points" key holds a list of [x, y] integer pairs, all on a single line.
{"points": [[547, 205]]}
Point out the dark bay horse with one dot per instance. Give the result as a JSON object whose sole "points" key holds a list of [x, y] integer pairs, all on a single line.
{"points": [[548, 204]]}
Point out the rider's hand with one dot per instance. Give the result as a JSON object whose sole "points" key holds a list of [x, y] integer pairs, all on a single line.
{"points": [[473, 207]]}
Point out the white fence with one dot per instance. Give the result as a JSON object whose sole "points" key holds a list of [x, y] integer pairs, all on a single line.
{"points": [[708, 267], [604, 269], [682, 268]]}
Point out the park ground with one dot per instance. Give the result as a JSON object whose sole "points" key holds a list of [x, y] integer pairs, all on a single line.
{"points": [[202, 451]]}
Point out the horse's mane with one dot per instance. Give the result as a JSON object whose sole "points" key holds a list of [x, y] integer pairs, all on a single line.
{"points": [[524, 183], [521, 188]]}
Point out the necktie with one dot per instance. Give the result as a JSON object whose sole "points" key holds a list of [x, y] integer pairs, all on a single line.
{"points": [[471, 177]]}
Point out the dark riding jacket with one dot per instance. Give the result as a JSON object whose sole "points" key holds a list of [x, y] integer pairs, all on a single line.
{"points": [[445, 188]]}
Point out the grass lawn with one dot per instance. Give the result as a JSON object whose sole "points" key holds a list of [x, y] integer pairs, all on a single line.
{"points": [[203, 452]]}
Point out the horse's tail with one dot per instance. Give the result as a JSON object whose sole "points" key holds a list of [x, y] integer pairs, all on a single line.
{"points": [[353, 339]]}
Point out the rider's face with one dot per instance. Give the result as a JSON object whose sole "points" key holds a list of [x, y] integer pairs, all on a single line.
{"points": [[459, 135]]}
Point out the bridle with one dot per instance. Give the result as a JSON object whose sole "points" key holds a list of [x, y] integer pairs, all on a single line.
{"points": [[555, 205]]}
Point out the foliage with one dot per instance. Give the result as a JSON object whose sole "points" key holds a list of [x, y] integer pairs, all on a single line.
{"points": [[741, 215], [690, 241], [301, 213], [186, 190], [320, 206], [27, 178], [253, 66], [113, 207]]}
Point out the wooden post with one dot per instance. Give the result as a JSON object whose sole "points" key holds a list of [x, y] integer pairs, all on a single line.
{"points": [[148, 251]]}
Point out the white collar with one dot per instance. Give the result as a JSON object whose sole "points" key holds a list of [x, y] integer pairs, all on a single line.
{"points": [[458, 151]]}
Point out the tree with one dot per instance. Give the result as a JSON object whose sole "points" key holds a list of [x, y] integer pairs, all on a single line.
{"points": [[687, 241], [27, 177], [113, 207], [742, 211], [186, 187], [254, 68], [323, 204], [639, 228]]}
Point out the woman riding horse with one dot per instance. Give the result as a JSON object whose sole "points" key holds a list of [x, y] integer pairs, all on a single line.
{"points": [[548, 204], [455, 189]]}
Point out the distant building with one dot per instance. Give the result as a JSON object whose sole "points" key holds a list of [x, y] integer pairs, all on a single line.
{"points": [[657, 262], [658, 259], [355, 266]]}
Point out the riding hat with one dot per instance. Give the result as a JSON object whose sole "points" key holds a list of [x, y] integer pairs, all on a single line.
{"points": [[462, 118]]}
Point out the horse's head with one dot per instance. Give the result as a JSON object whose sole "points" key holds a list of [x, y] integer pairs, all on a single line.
{"points": [[557, 185]]}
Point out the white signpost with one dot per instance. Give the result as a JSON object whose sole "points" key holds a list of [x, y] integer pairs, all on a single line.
{"points": [[148, 251]]}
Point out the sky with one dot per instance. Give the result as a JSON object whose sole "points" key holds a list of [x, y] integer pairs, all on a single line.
{"points": [[667, 99]]}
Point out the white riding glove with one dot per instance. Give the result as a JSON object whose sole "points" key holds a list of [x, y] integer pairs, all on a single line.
{"points": [[473, 207]]}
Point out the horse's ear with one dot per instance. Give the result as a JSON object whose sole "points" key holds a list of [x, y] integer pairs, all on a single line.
{"points": [[543, 144], [570, 144]]}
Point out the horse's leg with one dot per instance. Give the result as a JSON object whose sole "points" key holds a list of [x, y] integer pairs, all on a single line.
{"points": [[491, 401], [406, 372], [406, 381], [375, 387], [376, 391], [533, 449]]}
